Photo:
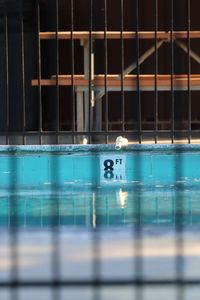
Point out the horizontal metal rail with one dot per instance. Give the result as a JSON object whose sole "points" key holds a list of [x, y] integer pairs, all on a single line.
{"points": [[82, 35], [147, 82], [93, 283]]}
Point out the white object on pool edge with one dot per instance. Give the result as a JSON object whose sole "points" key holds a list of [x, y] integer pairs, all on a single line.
{"points": [[120, 142], [85, 141]]}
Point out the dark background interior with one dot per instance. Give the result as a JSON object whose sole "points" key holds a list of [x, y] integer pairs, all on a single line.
{"points": [[13, 80]]}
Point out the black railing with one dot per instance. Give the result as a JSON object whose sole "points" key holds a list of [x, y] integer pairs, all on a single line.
{"points": [[82, 71], [111, 71]]}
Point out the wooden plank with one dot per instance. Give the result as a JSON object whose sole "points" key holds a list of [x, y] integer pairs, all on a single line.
{"points": [[84, 35], [147, 82]]}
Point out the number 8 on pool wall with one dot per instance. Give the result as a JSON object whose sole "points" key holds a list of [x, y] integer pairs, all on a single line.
{"points": [[108, 164], [112, 168], [108, 168]]}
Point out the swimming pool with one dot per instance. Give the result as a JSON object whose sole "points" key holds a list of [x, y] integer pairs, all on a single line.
{"points": [[144, 184], [82, 212], [59, 166], [101, 207]]}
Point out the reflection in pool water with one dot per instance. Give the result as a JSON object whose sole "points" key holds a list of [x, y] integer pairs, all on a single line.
{"points": [[100, 207]]}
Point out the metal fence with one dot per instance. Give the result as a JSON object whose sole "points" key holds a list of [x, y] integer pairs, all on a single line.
{"points": [[90, 72]]}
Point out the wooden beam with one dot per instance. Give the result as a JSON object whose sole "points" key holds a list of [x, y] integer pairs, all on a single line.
{"points": [[84, 35], [146, 82]]}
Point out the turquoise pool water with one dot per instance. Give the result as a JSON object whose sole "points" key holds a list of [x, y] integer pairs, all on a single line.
{"points": [[41, 167], [77, 211], [96, 186], [101, 207]]}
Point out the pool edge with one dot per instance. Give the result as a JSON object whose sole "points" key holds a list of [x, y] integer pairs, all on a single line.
{"points": [[96, 148]]}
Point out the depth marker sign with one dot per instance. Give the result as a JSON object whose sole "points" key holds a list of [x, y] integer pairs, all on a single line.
{"points": [[113, 167]]}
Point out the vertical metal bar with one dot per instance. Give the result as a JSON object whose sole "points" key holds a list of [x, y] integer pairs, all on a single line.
{"points": [[189, 70], [172, 70], [54, 165], [83, 103], [96, 249], [179, 259], [157, 210], [57, 73], [14, 270], [156, 74], [55, 258], [13, 226], [179, 244], [95, 232], [91, 56], [7, 81], [191, 210], [23, 80], [72, 67], [39, 72], [138, 73], [138, 241], [122, 63], [106, 69]]}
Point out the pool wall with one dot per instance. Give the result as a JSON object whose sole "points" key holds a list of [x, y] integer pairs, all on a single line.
{"points": [[33, 166]]}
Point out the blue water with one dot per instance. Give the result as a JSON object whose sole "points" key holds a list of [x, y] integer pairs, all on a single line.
{"points": [[57, 198], [58, 186], [148, 165], [101, 207]]}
